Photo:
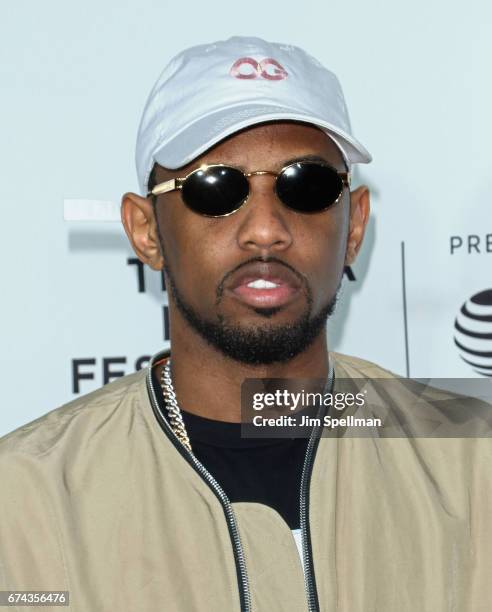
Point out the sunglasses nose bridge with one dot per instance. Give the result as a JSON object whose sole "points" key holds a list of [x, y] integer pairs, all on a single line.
{"points": [[249, 175], [260, 173]]}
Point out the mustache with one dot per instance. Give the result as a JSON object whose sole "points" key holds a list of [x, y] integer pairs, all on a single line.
{"points": [[302, 278]]}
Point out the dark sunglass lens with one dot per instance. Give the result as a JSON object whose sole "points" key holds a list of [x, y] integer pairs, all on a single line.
{"points": [[215, 191], [309, 186]]}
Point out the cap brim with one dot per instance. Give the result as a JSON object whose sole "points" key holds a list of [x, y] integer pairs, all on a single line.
{"points": [[198, 136]]}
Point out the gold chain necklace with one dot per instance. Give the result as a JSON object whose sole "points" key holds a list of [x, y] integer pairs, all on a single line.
{"points": [[174, 411]]}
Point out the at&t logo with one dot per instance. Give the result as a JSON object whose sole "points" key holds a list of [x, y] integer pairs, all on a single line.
{"points": [[473, 332]]}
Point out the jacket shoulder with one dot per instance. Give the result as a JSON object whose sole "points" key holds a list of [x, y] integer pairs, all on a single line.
{"points": [[355, 367], [76, 418], [413, 407]]}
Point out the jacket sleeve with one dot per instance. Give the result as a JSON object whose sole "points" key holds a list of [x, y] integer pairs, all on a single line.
{"points": [[31, 550], [481, 526]]}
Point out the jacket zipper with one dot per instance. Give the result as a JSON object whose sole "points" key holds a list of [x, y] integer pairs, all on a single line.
{"points": [[244, 592], [307, 553]]}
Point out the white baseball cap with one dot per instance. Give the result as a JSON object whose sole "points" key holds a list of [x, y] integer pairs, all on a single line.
{"points": [[211, 91]]}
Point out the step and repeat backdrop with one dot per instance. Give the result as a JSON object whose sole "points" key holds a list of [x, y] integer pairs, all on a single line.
{"points": [[79, 310]]}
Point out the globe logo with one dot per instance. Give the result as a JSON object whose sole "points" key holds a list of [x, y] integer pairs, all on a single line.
{"points": [[473, 332]]}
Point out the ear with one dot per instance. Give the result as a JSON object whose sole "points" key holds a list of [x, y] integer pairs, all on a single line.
{"points": [[359, 215], [137, 216]]}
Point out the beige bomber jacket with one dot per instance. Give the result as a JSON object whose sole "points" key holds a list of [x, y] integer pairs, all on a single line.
{"points": [[98, 498]]}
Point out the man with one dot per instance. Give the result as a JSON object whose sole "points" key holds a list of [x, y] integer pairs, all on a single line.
{"points": [[143, 495]]}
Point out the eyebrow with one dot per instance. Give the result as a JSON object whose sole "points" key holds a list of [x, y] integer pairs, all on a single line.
{"points": [[316, 158], [313, 158]]}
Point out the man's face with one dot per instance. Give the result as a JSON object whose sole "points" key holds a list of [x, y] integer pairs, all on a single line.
{"points": [[213, 265]]}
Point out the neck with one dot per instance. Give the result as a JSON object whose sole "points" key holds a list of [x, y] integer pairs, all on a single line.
{"points": [[208, 384]]}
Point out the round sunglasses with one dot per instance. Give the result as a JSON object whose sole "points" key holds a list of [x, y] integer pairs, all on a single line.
{"points": [[218, 190]]}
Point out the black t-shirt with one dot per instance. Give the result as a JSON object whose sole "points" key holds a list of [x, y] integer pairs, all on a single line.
{"points": [[266, 471]]}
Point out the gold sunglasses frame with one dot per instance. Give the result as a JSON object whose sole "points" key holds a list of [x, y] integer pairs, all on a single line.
{"points": [[177, 183]]}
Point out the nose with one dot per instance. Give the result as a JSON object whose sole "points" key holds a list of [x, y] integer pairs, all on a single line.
{"points": [[263, 227]]}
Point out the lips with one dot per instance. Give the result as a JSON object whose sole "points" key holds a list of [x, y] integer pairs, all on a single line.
{"points": [[264, 285]]}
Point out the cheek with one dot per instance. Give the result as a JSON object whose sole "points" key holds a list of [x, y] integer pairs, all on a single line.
{"points": [[326, 238], [338, 234], [325, 243], [194, 248]]}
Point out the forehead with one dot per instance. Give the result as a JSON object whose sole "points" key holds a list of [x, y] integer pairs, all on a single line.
{"points": [[267, 147]]}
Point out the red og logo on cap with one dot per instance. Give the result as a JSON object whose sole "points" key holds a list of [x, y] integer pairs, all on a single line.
{"points": [[249, 68]]}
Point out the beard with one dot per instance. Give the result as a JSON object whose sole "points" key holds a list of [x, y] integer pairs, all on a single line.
{"points": [[263, 344]]}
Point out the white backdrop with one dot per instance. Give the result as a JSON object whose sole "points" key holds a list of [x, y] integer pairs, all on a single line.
{"points": [[74, 80]]}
